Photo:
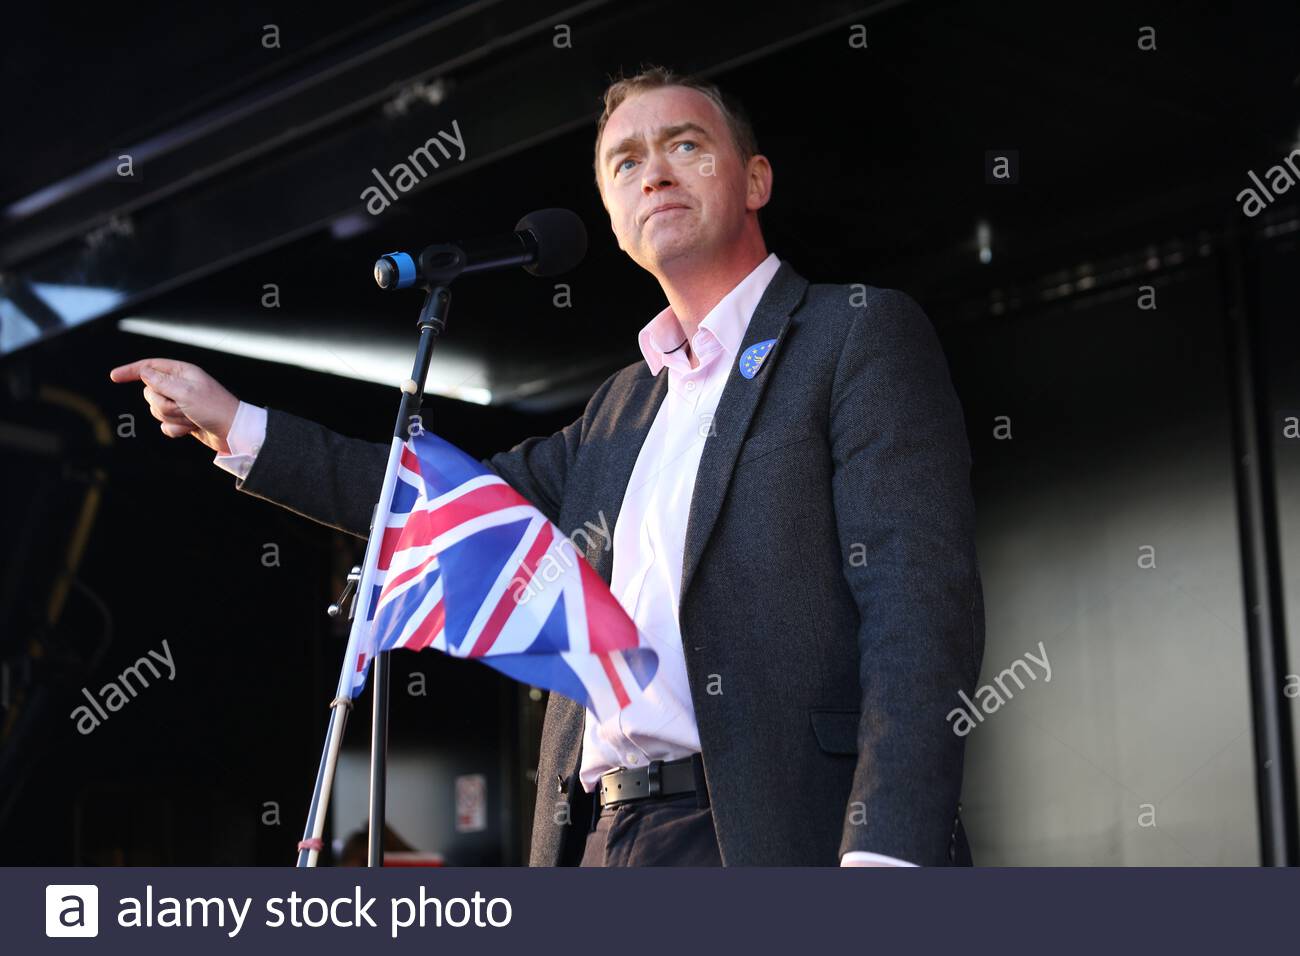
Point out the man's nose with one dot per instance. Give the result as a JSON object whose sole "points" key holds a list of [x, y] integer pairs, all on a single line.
{"points": [[656, 174]]}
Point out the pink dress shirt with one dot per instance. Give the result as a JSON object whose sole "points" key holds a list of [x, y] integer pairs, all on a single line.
{"points": [[650, 534]]}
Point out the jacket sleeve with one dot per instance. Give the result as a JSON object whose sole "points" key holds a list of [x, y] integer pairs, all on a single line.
{"points": [[335, 480], [905, 517], [317, 473], [538, 468]]}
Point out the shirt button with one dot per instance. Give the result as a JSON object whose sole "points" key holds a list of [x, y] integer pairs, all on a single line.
{"points": [[690, 386], [631, 758]]}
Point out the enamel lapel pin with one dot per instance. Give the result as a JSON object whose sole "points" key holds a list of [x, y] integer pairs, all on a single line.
{"points": [[752, 358]]}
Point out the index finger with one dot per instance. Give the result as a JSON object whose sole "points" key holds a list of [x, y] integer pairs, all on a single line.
{"points": [[131, 371]]}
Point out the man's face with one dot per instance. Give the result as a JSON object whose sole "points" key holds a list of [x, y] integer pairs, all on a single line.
{"points": [[673, 181]]}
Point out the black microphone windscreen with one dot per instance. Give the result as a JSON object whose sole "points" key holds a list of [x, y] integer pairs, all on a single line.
{"points": [[561, 240]]}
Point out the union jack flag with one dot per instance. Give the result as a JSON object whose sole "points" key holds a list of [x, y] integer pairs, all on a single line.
{"points": [[468, 567]]}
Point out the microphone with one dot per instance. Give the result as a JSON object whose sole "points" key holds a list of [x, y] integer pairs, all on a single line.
{"points": [[546, 243]]}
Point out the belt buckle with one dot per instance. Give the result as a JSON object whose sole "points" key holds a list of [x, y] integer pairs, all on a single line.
{"points": [[604, 786], [616, 796]]}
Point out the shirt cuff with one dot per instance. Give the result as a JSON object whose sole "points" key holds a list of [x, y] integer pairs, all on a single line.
{"points": [[863, 858], [247, 432]]}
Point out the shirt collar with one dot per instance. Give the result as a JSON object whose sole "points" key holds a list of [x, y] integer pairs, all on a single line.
{"points": [[726, 321]]}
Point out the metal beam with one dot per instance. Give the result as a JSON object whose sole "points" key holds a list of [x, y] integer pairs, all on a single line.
{"points": [[1261, 565], [506, 84]]}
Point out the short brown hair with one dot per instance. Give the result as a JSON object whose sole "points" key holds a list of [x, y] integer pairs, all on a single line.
{"points": [[658, 77]]}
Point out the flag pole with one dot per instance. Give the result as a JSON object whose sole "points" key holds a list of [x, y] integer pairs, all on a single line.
{"points": [[310, 846], [378, 760], [432, 321]]}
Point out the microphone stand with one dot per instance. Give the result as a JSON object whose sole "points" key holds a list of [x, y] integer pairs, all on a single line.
{"points": [[432, 321], [433, 270]]}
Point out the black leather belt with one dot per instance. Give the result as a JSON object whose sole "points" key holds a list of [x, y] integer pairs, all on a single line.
{"points": [[657, 779]]}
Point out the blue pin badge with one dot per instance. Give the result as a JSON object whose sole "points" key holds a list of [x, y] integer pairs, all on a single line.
{"points": [[752, 359]]}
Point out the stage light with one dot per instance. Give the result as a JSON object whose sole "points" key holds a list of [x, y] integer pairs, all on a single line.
{"points": [[347, 352]]}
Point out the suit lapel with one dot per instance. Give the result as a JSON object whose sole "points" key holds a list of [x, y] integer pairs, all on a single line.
{"points": [[740, 397], [626, 438]]}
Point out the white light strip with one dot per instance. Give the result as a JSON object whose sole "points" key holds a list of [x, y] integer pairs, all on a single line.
{"points": [[374, 359]]}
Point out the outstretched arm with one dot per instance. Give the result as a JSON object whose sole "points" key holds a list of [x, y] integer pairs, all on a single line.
{"points": [[314, 471]]}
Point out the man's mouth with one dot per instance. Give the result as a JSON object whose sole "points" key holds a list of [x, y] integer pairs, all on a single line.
{"points": [[666, 207]]}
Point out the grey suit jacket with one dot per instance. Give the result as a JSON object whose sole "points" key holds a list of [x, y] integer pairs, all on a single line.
{"points": [[831, 604]]}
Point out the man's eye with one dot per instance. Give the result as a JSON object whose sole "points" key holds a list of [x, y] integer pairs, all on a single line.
{"points": [[623, 165], [686, 142]]}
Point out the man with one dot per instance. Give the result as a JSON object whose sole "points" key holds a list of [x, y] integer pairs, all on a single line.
{"points": [[788, 478]]}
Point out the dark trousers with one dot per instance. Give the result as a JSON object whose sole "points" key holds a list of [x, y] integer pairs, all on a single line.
{"points": [[654, 831]]}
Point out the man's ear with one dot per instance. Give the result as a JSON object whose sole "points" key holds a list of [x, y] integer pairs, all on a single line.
{"points": [[758, 182]]}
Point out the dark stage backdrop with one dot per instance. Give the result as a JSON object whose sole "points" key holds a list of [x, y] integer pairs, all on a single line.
{"points": [[1082, 308]]}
